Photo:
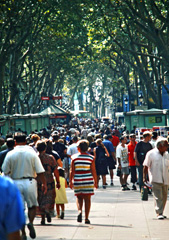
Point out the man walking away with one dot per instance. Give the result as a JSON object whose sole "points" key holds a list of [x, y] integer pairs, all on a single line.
{"points": [[22, 164], [156, 164], [111, 161], [132, 163], [140, 153]]}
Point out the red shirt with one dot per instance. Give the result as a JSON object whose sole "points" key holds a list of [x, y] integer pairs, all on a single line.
{"points": [[115, 140], [131, 148]]}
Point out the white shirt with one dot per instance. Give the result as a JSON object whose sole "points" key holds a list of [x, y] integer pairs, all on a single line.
{"points": [[72, 149], [122, 153], [158, 166], [21, 162]]}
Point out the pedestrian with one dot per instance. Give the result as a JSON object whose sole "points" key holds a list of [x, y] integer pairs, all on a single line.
{"points": [[132, 163], [140, 152], [61, 197], [156, 164], [12, 217], [154, 138], [123, 164], [34, 139], [10, 145], [115, 140], [50, 151], [101, 154], [59, 147], [83, 178], [22, 164], [47, 201], [111, 160]]}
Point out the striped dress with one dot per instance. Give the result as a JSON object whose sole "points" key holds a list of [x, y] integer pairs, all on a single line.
{"points": [[83, 178]]}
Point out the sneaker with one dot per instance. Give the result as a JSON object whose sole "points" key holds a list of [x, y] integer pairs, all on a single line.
{"points": [[123, 188], [111, 184], [62, 215], [32, 232], [104, 187], [133, 187], [160, 217]]}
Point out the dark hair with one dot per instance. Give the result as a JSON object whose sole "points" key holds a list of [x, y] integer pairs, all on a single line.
{"points": [[122, 137], [20, 137], [10, 142], [154, 134], [61, 172], [40, 145], [83, 145], [55, 137]]}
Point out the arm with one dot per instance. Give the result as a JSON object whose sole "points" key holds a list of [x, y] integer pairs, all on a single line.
{"points": [[71, 175], [114, 157], [107, 153], [56, 174], [93, 171], [145, 172], [43, 181], [135, 158], [119, 163], [59, 162], [94, 151]]}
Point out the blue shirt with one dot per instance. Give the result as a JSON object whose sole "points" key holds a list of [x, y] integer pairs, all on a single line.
{"points": [[12, 217], [109, 146]]}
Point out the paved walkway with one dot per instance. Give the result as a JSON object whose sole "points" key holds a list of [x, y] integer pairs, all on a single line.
{"points": [[114, 215]]}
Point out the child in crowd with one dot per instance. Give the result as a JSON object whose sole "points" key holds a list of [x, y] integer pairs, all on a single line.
{"points": [[61, 197]]}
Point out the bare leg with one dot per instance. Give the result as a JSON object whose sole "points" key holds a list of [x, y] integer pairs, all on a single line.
{"points": [[87, 200], [58, 210], [79, 202], [104, 179], [31, 214], [62, 207]]}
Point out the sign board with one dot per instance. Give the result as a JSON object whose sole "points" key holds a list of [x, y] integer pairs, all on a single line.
{"points": [[62, 116], [56, 97], [45, 98], [52, 98]]}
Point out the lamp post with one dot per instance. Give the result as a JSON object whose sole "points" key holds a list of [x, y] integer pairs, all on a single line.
{"points": [[126, 102]]}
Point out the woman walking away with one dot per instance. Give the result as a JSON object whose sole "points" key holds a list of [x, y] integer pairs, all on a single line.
{"points": [[100, 153], [83, 178], [61, 197], [47, 201]]}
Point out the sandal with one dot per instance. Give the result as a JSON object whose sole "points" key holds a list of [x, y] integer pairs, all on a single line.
{"points": [[87, 221], [79, 217]]}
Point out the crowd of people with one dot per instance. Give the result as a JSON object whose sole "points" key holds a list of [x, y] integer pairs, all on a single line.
{"points": [[44, 163]]}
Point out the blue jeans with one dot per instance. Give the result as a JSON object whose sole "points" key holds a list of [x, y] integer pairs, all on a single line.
{"points": [[140, 176]]}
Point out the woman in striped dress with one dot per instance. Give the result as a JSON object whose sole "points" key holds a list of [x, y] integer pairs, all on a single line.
{"points": [[83, 178]]}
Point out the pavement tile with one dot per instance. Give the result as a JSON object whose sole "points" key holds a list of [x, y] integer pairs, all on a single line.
{"points": [[114, 215]]}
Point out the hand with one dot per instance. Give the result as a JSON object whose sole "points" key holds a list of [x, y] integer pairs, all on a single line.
{"points": [[71, 184], [44, 188], [119, 166], [96, 185], [58, 185], [137, 163]]}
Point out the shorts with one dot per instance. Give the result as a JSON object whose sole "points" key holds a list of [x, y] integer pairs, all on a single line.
{"points": [[111, 163], [28, 190], [125, 170]]}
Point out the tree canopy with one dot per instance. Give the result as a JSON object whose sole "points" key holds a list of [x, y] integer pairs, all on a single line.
{"points": [[104, 49]]}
